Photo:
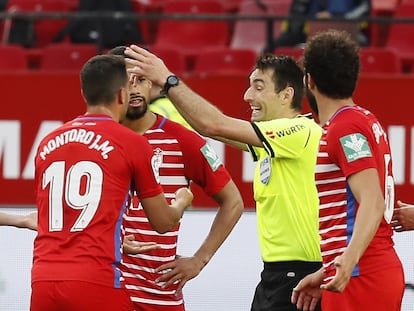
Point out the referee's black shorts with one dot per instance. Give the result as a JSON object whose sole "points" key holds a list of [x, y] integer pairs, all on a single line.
{"points": [[274, 291]]}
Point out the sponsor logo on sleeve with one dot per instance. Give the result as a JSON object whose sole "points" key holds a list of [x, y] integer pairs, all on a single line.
{"points": [[355, 147], [211, 157]]}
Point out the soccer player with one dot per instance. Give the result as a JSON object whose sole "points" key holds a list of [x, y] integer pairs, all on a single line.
{"points": [[181, 156], [356, 189], [284, 143], [83, 172]]}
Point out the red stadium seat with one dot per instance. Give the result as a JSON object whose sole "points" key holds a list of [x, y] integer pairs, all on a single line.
{"points": [[66, 56], [157, 5], [44, 29], [224, 61], [295, 52], [353, 28], [174, 59], [144, 25], [251, 34], [379, 31], [232, 6], [191, 36], [379, 60], [401, 36], [13, 57]]}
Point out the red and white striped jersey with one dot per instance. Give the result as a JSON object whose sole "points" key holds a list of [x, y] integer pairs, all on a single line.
{"points": [[180, 156], [347, 148]]}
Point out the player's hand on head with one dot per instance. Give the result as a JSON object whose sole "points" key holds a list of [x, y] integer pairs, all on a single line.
{"points": [[144, 63]]}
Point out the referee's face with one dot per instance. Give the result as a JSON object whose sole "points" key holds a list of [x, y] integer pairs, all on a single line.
{"points": [[265, 103]]}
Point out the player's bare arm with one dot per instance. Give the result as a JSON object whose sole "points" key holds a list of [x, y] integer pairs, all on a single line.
{"points": [[162, 219], [366, 187], [206, 118], [184, 269], [28, 221]]}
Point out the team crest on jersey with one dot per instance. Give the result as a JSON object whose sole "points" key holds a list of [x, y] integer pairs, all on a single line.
{"points": [[355, 147], [156, 163], [211, 157]]}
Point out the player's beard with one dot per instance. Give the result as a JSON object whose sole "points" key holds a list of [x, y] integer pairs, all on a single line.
{"points": [[134, 113], [312, 101]]}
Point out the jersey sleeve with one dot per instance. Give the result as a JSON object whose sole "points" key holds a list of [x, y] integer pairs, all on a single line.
{"points": [[202, 164], [351, 144], [284, 138]]}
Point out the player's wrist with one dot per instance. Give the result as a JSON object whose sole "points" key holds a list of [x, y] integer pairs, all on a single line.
{"points": [[170, 81]]}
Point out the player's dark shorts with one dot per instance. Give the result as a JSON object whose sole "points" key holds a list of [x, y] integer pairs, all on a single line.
{"points": [[274, 291]]}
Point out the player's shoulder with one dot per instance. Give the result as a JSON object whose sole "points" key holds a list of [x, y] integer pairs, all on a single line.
{"points": [[125, 138], [306, 120], [352, 119], [119, 129], [181, 132], [357, 113]]}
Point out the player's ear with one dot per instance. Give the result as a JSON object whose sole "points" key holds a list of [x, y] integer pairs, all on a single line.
{"points": [[310, 84], [122, 96], [83, 96]]}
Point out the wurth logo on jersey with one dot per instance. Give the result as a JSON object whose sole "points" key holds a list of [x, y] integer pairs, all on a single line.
{"points": [[355, 147], [270, 134], [287, 131]]}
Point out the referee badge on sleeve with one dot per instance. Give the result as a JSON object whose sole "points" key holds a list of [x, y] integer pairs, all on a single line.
{"points": [[265, 170]]}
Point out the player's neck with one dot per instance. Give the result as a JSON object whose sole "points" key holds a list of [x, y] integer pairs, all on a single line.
{"points": [[100, 109], [328, 107], [142, 124]]}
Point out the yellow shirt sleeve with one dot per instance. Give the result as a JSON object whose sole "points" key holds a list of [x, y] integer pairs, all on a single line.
{"points": [[164, 107]]}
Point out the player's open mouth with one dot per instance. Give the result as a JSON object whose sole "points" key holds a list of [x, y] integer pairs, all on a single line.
{"points": [[135, 101]]}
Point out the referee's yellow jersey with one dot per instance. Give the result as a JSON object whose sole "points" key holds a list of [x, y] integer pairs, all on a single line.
{"points": [[287, 203], [163, 106]]}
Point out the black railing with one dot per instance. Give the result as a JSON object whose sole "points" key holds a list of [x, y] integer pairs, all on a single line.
{"points": [[127, 16]]}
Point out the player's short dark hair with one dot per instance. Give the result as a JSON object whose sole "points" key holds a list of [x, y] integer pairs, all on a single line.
{"points": [[286, 72], [101, 78], [119, 50]]}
